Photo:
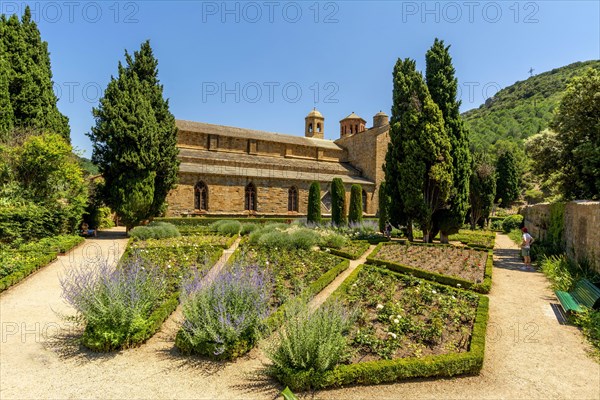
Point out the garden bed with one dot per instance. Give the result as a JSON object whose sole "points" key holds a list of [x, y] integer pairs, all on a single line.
{"points": [[17, 264], [293, 273], [203, 240], [455, 266], [406, 328], [175, 259], [477, 239]]}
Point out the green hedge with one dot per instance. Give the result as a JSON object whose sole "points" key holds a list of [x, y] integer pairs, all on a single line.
{"points": [[483, 287], [362, 246], [384, 371], [40, 253]]}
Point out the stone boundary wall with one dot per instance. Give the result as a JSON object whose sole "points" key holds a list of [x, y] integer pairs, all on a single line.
{"points": [[581, 230]]}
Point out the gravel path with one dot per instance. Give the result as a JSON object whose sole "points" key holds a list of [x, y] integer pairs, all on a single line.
{"points": [[529, 354]]}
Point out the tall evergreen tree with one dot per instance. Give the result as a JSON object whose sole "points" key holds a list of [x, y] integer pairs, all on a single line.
{"points": [[507, 181], [420, 150], [134, 140], [338, 202], [443, 85], [6, 112], [384, 206], [30, 86], [482, 190], [314, 203], [356, 204]]}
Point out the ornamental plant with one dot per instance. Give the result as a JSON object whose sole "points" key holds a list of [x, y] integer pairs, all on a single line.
{"points": [[314, 204], [224, 315], [114, 303], [356, 205]]}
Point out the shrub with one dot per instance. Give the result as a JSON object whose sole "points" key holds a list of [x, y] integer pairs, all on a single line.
{"points": [[224, 316], [115, 303], [155, 230], [338, 202], [304, 238], [314, 343], [274, 239], [230, 228], [314, 203], [248, 228], [333, 240], [356, 205], [384, 201], [512, 222]]}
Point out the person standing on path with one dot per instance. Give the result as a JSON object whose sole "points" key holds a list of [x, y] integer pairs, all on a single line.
{"points": [[526, 250]]}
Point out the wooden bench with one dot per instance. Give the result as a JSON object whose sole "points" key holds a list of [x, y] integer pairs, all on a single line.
{"points": [[585, 294]]}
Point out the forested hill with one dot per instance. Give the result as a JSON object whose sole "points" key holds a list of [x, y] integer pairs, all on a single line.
{"points": [[522, 109]]}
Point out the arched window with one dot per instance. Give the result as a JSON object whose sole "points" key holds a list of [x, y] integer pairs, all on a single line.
{"points": [[310, 128], [250, 203], [318, 127], [201, 196], [293, 199], [364, 201]]}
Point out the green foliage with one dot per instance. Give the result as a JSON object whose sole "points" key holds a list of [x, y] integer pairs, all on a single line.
{"points": [[352, 249], [418, 171], [17, 263], [333, 240], [443, 85], [288, 394], [482, 190], [522, 109], [512, 222], [507, 182], [556, 226], [154, 230], [544, 149], [310, 342], [384, 206], [135, 139], [356, 205], [338, 202], [248, 228], [226, 227], [282, 236], [576, 123], [516, 236], [96, 214], [27, 76], [314, 203]]}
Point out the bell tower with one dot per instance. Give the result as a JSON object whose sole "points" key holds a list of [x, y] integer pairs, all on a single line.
{"points": [[314, 125]]}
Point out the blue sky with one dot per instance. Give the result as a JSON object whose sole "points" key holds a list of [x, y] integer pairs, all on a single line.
{"points": [[265, 64]]}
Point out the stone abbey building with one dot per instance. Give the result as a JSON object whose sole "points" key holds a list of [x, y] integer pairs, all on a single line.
{"points": [[235, 171]]}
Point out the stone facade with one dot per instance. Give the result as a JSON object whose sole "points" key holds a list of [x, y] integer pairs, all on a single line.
{"points": [[248, 172], [581, 228]]}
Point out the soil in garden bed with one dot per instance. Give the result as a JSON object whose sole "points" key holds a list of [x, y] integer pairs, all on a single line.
{"points": [[400, 316], [452, 261]]}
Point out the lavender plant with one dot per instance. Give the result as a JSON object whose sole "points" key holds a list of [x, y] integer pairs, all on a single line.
{"points": [[224, 315], [114, 303]]}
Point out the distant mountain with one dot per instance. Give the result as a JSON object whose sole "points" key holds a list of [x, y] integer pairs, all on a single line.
{"points": [[522, 109]]}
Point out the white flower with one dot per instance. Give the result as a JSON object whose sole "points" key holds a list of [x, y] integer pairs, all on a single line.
{"points": [[433, 291], [354, 285], [379, 306], [458, 284], [453, 298], [392, 334], [396, 321], [169, 266]]}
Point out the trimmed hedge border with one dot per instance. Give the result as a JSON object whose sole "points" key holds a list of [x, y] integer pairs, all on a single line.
{"points": [[483, 287], [276, 319], [384, 371], [44, 259], [205, 221]]}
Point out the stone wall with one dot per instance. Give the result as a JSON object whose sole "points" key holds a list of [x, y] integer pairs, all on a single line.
{"points": [[581, 228]]}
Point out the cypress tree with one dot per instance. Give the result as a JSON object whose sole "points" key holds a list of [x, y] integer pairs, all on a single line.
{"points": [[126, 146], [482, 190], [144, 65], [6, 112], [356, 206], [442, 85], [314, 203], [507, 182], [338, 202], [384, 205], [423, 178], [32, 97]]}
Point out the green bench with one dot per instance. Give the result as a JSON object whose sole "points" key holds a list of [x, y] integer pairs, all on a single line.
{"points": [[585, 293]]}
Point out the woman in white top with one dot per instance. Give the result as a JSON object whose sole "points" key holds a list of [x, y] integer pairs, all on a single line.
{"points": [[526, 250]]}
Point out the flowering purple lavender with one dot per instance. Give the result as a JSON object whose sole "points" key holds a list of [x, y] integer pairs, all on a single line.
{"points": [[112, 299], [223, 315]]}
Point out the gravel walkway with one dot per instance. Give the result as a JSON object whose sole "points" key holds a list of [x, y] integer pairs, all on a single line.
{"points": [[529, 354]]}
